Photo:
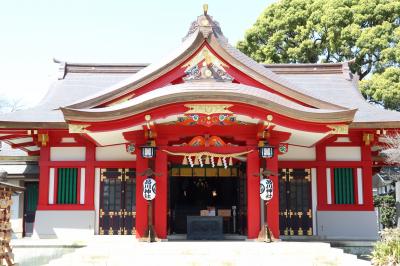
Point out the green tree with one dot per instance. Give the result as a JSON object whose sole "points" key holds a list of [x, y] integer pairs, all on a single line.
{"points": [[383, 88], [310, 31], [387, 204]]}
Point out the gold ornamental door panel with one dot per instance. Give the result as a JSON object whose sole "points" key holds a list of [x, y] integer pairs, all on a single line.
{"points": [[295, 215], [117, 213]]}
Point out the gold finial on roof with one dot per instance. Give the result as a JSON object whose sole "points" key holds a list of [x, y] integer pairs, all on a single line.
{"points": [[205, 9]]}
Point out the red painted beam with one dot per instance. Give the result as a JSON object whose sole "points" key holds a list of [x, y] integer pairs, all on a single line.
{"points": [[14, 132], [23, 144], [180, 108], [13, 136], [65, 207], [34, 153], [116, 164], [233, 130], [223, 150]]}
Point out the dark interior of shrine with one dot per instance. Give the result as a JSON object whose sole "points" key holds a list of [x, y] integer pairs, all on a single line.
{"points": [[206, 196]]}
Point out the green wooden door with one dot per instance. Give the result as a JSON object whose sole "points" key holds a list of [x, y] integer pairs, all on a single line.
{"points": [[31, 196]]}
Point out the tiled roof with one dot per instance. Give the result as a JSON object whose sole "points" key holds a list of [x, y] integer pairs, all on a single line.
{"points": [[82, 86]]}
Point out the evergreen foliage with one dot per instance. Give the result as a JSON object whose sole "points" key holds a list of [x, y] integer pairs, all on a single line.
{"points": [[387, 205], [311, 31]]}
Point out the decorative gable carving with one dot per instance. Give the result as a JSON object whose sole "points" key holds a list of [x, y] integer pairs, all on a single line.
{"points": [[206, 66]]}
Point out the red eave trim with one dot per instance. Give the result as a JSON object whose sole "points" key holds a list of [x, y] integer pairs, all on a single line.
{"points": [[180, 108], [171, 76]]}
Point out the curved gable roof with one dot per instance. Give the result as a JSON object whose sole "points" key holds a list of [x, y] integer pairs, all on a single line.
{"points": [[204, 30], [209, 91]]}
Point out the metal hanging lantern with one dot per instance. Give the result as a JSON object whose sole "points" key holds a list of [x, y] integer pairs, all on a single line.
{"points": [[148, 152], [266, 151]]}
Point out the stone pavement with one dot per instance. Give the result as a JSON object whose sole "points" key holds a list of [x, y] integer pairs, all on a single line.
{"points": [[125, 250]]}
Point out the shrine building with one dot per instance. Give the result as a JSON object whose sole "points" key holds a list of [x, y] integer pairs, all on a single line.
{"points": [[207, 123]]}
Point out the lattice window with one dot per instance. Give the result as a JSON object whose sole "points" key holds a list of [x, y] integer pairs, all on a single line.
{"points": [[344, 185], [67, 185]]}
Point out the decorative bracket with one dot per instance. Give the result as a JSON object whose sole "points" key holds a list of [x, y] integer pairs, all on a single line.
{"points": [[43, 139], [368, 138], [78, 128], [339, 129]]}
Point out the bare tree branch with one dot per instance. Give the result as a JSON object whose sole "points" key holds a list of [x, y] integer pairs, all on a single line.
{"points": [[391, 148]]}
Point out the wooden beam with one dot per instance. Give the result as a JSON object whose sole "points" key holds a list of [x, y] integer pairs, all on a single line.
{"points": [[23, 144], [34, 153], [14, 136], [14, 132]]}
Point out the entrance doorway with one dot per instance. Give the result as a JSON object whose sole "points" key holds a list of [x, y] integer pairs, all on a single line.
{"points": [[208, 191], [117, 201], [31, 196], [295, 215]]}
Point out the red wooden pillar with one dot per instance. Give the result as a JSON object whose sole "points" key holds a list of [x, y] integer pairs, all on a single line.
{"points": [[321, 176], [141, 203], [253, 195], [89, 176], [43, 200], [273, 204], [367, 176], [161, 208]]}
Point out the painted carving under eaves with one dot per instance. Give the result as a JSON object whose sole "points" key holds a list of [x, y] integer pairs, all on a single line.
{"points": [[207, 120]]}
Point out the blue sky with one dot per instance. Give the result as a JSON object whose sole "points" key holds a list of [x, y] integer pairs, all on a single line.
{"points": [[34, 32]]}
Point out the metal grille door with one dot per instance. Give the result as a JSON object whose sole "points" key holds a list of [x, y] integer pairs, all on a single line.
{"points": [[295, 216], [117, 201]]}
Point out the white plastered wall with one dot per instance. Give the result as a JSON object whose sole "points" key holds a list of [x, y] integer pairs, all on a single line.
{"points": [[97, 199], [346, 225], [343, 153], [64, 224], [67, 153], [296, 153], [314, 199], [114, 153]]}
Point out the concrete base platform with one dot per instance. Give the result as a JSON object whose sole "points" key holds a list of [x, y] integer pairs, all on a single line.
{"points": [[126, 250]]}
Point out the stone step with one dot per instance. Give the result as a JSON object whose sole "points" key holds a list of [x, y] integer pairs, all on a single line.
{"points": [[125, 251]]}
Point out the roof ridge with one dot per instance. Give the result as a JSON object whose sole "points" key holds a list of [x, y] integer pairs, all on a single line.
{"points": [[57, 61], [111, 68]]}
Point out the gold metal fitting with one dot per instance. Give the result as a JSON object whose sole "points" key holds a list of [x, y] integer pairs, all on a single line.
{"points": [[205, 9]]}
